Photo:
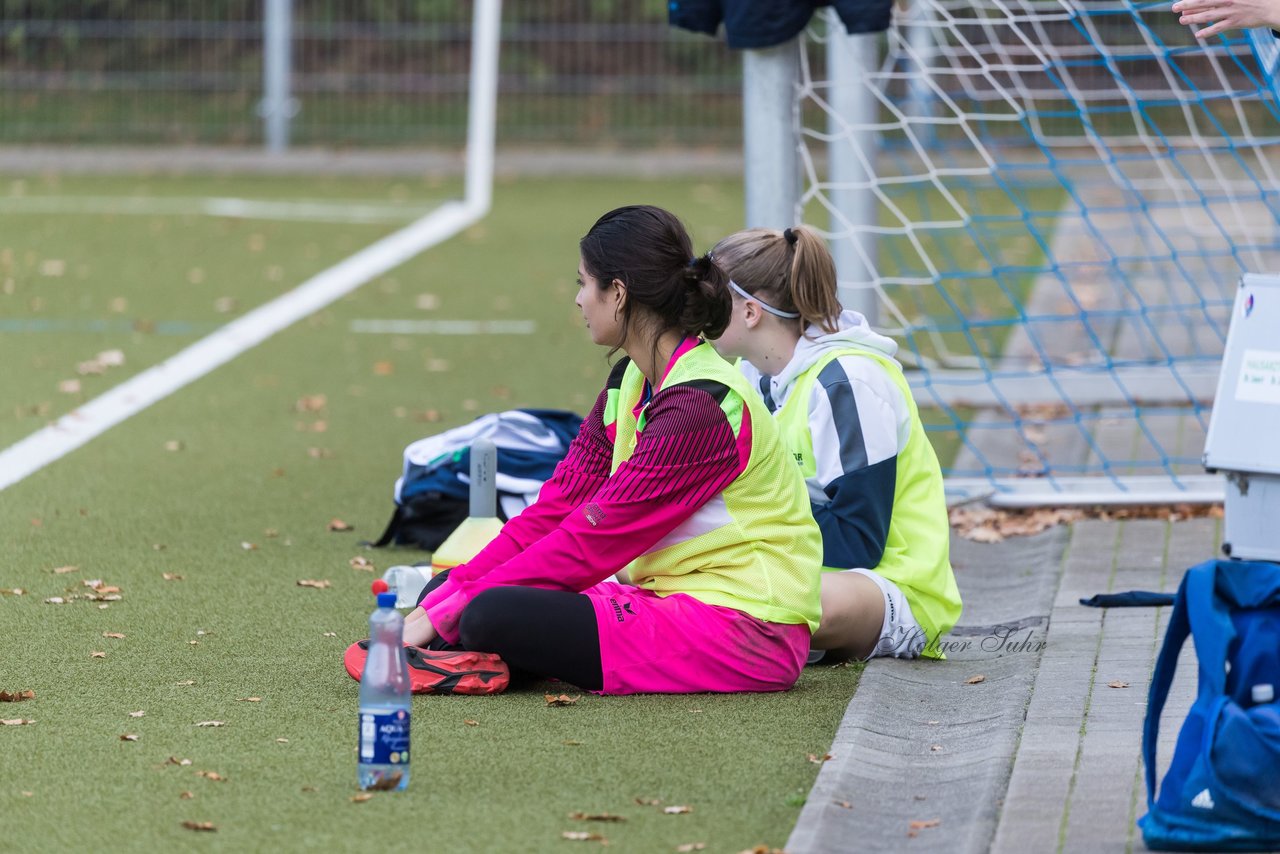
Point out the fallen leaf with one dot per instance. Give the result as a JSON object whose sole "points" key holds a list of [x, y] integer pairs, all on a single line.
{"points": [[308, 788], [16, 722], [311, 403], [1117, 684], [816, 759], [560, 699], [128, 736], [270, 533], [843, 804], [173, 760], [309, 582], [171, 576], [339, 525], [331, 634], [173, 445], [186, 796], [63, 570], [193, 643], [383, 369], [649, 802], [69, 386], [599, 816], [212, 723], [677, 810], [470, 722], [361, 563], [249, 547], [936, 748], [12, 591], [248, 699], [97, 654], [116, 635], [212, 775], [584, 836], [28, 794], [186, 682], [921, 825], [111, 358], [320, 453], [974, 680], [199, 825], [691, 846], [571, 743], [16, 696], [387, 783], [282, 741], [138, 714], [55, 600], [361, 798]]}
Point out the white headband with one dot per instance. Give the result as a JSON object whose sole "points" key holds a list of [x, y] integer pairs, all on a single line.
{"points": [[777, 312]]}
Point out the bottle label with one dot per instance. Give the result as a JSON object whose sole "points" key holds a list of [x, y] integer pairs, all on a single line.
{"points": [[384, 738]]}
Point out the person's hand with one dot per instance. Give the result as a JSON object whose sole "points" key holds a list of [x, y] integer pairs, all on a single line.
{"points": [[418, 630], [1227, 14]]}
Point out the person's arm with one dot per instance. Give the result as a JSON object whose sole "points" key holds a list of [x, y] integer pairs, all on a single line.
{"points": [[854, 424], [686, 456], [1223, 15]]}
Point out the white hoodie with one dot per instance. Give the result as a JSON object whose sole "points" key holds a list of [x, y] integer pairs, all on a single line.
{"points": [[883, 421]]}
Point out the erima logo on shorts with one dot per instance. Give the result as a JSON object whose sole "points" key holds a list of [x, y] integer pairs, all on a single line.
{"points": [[617, 609], [593, 513]]}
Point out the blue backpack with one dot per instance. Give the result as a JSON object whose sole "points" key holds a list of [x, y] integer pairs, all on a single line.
{"points": [[1222, 791]]}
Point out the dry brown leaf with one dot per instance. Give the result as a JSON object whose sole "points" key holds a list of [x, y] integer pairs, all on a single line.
{"points": [[173, 760], [922, 824], [816, 759], [212, 775], [974, 680], [691, 846], [361, 798], [199, 825], [583, 836], [186, 796], [936, 748], [193, 643], [383, 369], [212, 723], [248, 546], [387, 783], [116, 635], [568, 742], [310, 582], [1116, 683], [186, 682], [843, 804], [331, 634], [16, 722], [361, 563], [16, 696], [171, 576], [138, 714], [12, 591], [596, 816], [311, 403], [282, 741], [55, 600], [339, 525], [173, 445], [470, 722], [649, 802], [248, 699], [677, 810], [128, 736], [97, 654], [63, 570], [560, 699], [320, 453]]}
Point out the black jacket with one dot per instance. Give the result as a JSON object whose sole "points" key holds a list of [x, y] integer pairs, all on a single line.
{"points": [[765, 23]]}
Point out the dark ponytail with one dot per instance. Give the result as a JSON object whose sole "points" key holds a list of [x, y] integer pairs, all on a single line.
{"points": [[649, 251]]}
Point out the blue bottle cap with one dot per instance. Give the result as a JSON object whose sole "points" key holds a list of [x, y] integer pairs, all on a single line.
{"points": [[386, 600]]}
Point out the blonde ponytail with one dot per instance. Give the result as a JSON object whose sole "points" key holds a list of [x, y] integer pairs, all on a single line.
{"points": [[791, 270]]}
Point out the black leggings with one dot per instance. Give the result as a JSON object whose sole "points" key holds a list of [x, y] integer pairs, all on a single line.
{"points": [[548, 633]]}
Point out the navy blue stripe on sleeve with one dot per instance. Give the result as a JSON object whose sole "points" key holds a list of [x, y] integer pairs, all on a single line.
{"points": [[844, 411], [855, 524]]}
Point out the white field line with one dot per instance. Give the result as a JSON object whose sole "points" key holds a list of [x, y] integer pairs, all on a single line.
{"points": [[445, 327], [314, 210], [110, 408]]}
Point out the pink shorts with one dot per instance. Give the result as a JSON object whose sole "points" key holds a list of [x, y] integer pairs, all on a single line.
{"points": [[676, 644]]}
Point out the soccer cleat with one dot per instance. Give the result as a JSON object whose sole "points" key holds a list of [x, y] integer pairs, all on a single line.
{"points": [[441, 671]]}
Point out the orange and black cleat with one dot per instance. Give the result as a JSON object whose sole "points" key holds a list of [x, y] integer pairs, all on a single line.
{"points": [[441, 671]]}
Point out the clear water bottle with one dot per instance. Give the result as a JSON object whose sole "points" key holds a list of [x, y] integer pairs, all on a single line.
{"points": [[384, 702], [407, 583]]}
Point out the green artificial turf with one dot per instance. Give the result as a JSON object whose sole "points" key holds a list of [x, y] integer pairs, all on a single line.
{"points": [[230, 484]]}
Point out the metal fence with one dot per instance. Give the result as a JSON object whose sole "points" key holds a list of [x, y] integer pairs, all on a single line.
{"points": [[360, 73]]}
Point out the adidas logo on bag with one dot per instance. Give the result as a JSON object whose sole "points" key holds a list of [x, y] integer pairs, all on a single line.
{"points": [[1203, 800]]}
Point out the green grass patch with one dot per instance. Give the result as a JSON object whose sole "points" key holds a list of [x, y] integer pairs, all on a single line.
{"points": [[239, 511]]}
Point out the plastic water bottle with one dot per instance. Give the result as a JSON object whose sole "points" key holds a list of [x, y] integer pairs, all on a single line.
{"points": [[384, 702], [407, 583]]}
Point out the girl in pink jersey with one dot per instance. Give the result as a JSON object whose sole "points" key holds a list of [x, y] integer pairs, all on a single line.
{"points": [[677, 475]]}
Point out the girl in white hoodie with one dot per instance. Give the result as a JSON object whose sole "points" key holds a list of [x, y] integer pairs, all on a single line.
{"points": [[846, 414]]}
